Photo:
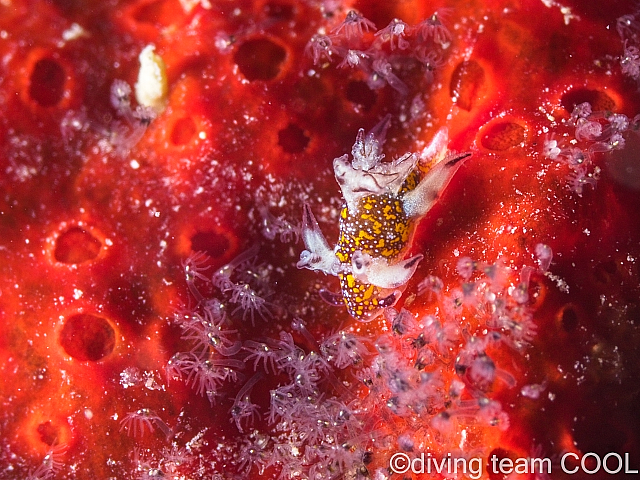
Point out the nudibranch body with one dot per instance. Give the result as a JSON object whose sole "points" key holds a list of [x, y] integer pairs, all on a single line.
{"points": [[383, 202]]}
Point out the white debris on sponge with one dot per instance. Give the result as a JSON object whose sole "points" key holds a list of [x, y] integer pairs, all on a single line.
{"points": [[74, 32], [151, 87]]}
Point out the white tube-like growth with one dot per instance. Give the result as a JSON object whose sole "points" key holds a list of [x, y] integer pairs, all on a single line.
{"points": [[152, 87]]}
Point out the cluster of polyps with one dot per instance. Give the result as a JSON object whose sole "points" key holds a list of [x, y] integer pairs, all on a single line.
{"points": [[151, 92], [213, 358], [124, 136], [628, 27], [595, 132], [338, 404], [379, 55], [437, 369]]}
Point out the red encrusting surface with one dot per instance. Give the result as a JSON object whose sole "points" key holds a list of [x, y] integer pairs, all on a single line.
{"points": [[98, 218]]}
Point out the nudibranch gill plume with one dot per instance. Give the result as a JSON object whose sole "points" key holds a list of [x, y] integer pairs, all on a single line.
{"points": [[383, 202]]}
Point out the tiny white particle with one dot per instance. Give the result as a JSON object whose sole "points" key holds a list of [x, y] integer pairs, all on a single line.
{"points": [[73, 32], [134, 164], [463, 438]]}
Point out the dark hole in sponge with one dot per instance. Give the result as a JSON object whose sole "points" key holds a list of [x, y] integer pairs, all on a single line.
{"points": [[48, 433], [292, 139], [46, 82], [568, 318], [466, 82], [605, 272], [76, 245], [259, 59], [600, 101], [502, 136], [87, 337]]}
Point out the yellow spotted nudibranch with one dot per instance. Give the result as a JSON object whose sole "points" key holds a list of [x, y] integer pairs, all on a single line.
{"points": [[383, 202]]}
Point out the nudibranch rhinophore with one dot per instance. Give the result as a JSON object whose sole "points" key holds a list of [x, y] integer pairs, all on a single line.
{"points": [[383, 202]]}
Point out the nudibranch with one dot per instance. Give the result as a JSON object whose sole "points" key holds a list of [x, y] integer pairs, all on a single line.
{"points": [[383, 202]]}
